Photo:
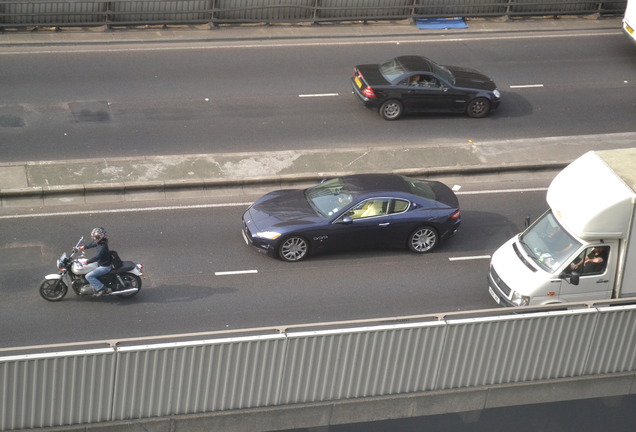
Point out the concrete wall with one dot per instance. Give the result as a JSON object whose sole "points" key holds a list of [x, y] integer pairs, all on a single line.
{"points": [[330, 373], [466, 402]]}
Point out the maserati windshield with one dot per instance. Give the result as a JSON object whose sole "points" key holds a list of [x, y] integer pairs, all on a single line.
{"points": [[329, 197]]}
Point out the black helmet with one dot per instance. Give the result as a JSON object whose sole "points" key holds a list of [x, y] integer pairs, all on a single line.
{"points": [[98, 234]]}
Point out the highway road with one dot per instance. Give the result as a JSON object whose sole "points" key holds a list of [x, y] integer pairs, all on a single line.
{"points": [[201, 276], [104, 101]]}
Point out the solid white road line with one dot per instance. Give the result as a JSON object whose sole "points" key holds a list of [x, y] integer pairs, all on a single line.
{"points": [[129, 210], [526, 86], [539, 189], [205, 206], [206, 45]]}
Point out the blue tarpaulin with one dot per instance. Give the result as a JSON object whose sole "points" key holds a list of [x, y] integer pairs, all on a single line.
{"points": [[440, 23]]}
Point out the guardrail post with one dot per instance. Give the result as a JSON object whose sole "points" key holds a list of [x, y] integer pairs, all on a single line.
{"points": [[413, 8], [212, 24], [108, 16], [508, 6], [314, 13]]}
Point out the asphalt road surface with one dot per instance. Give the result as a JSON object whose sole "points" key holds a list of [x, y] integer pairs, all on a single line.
{"points": [[215, 97], [201, 276]]}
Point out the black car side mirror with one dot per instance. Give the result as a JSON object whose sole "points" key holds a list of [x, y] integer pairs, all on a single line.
{"points": [[345, 220]]}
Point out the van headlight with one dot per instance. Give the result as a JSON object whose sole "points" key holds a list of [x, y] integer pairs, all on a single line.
{"points": [[519, 300]]}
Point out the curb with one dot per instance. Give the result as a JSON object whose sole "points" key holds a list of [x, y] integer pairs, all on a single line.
{"points": [[87, 36], [208, 184]]}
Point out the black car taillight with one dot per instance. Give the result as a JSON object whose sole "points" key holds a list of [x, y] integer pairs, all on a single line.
{"points": [[368, 92], [455, 215]]}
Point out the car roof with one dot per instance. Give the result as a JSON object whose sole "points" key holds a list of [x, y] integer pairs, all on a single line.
{"points": [[415, 63], [365, 183], [364, 186]]}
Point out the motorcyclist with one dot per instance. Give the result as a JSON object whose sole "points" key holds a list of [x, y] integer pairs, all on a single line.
{"points": [[102, 257]]}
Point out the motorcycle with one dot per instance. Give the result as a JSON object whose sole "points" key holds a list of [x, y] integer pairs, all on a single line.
{"points": [[123, 281]]}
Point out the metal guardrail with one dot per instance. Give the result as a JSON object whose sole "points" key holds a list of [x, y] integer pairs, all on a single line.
{"points": [[74, 384], [116, 13]]}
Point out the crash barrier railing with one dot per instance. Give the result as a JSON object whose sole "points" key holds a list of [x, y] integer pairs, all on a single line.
{"points": [[131, 379], [52, 13]]}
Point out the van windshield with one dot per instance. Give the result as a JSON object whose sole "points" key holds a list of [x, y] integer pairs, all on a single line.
{"points": [[548, 243]]}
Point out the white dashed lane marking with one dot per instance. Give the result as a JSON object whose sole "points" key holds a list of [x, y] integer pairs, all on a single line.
{"points": [[235, 272]]}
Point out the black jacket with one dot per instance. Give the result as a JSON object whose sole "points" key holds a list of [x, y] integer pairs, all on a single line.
{"points": [[103, 254]]}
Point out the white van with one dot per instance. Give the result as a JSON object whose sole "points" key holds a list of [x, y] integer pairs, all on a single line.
{"points": [[584, 247], [629, 21]]}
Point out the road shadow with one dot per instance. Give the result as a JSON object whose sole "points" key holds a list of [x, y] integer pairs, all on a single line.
{"points": [[480, 233], [163, 294], [512, 105]]}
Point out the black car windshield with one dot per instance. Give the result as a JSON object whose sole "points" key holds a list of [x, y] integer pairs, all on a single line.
{"points": [[329, 197], [443, 72], [392, 70]]}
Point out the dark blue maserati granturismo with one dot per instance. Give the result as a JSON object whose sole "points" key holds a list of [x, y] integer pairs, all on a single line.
{"points": [[360, 211]]}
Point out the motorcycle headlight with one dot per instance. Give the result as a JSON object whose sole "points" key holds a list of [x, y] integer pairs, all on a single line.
{"points": [[519, 300], [270, 235], [60, 264]]}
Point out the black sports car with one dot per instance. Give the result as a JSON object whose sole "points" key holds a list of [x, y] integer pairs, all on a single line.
{"points": [[352, 212], [418, 84]]}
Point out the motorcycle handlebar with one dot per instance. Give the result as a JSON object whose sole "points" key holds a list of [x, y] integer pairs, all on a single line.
{"points": [[78, 242], [76, 247]]}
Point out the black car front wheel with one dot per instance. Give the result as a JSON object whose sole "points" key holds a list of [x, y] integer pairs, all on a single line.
{"points": [[293, 249], [423, 239], [391, 110], [478, 107]]}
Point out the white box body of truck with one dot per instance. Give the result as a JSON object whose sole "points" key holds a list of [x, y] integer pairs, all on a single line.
{"points": [[629, 20], [584, 247]]}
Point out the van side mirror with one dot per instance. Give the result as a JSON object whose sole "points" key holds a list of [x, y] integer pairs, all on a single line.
{"points": [[572, 278]]}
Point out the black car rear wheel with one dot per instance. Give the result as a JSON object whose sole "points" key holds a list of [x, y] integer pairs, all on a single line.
{"points": [[478, 107], [391, 110], [293, 249], [423, 239]]}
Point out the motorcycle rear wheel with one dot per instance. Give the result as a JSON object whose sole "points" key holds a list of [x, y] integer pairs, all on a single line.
{"points": [[53, 289], [131, 281]]}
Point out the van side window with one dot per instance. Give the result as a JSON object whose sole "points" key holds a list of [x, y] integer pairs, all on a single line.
{"points": [[591, 261]]}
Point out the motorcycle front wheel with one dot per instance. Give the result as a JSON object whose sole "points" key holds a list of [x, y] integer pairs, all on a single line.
{"points": [[131, 281], [53, 289]]}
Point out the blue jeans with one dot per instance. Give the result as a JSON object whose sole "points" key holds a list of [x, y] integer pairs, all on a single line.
{"points": [[92, 277]]}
